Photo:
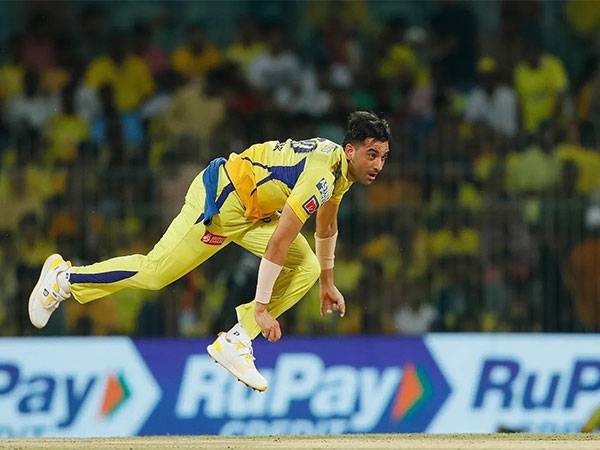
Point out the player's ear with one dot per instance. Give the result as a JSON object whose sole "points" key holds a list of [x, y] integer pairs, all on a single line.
{"points": [[349, 150]]}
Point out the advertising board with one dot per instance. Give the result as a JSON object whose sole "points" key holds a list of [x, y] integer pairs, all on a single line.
{"points": [[441, 383]]}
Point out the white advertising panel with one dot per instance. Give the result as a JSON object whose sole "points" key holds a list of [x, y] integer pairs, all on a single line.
{"points": [[529, 382], [73, 387]]}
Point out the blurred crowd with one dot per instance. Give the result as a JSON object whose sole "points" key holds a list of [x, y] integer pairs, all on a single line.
{"points": [[486, 217]]}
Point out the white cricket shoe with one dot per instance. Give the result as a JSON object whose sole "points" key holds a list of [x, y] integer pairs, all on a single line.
{"points": [[47, 294], [236, 356]]}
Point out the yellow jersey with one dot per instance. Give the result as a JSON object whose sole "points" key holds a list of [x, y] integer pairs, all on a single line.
{"points": [[305, 174]]}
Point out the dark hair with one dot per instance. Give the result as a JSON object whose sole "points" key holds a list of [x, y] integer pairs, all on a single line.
{"points": [[365, 124]]}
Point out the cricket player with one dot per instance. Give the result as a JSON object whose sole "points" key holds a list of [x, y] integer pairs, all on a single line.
{"points": [[258, 199]]}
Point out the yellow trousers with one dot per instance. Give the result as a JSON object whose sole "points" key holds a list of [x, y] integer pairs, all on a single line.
{"points": [[187, 243]]}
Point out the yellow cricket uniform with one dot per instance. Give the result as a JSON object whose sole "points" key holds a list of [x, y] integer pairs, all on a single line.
{"points": [[237, 200]]}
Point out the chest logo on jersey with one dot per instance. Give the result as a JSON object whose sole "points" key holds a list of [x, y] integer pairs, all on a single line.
{"points": [[311, 205], [212, 239], [323, 189]]}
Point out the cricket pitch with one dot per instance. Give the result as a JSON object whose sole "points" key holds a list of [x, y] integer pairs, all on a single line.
{"points": [[517, 441]]}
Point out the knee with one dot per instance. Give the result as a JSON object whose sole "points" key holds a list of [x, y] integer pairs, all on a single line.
{"points": [[150, 272], [313, 268], [155, 284]]}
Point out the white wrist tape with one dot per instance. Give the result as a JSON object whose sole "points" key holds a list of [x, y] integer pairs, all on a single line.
{"points": [[325, 249], [267, 275]]}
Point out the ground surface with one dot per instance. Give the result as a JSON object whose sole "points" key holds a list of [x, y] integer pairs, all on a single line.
{"points": [[371, 442]]}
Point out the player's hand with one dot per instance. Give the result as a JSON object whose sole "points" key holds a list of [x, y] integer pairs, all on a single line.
{"points": [[268, 324], [331, 300]]}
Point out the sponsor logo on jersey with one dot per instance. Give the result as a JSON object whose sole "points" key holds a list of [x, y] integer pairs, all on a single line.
{"points": [[213, 239], [323, 189], [311, 205]]}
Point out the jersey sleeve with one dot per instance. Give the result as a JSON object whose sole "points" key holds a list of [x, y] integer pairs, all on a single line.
{"points": [[340, 189], [313, 189]]}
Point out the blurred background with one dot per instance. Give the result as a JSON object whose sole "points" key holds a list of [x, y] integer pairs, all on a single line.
{"points": [[486, 217]]}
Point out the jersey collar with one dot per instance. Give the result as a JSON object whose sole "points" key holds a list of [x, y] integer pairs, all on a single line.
{"points": [[344, 166], [341, 172]]}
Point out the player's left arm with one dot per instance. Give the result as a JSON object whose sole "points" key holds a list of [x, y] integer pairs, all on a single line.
{"points": [[325, 239]]}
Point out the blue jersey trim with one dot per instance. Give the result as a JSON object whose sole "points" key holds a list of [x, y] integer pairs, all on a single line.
{"points": [[254, 163], [105, 277], [286, 174]]}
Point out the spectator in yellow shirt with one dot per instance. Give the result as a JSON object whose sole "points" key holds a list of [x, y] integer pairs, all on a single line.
{"points": [[128, 75], [535, 168], [66, 131], [196, 111], [582, 153], [582, 16], [247, 46], [540, 81], [198, 56]]}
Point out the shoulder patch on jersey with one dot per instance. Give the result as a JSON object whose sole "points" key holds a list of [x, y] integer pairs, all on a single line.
{"points": [[328, 147], [304, 146], [311, 205], [323, 189]]}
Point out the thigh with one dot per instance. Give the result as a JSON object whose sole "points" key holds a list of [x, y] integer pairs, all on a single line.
{"points": [[184, 245], [257, 237], [187, 241]]}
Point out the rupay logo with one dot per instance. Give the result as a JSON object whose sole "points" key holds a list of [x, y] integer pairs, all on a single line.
{"points": [[414, 391], [515, 386], [305, 397], [536, 383], [41, 392], [73, 387], [116, 393]]}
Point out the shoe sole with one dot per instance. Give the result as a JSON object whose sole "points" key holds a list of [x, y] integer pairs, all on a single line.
{"points": [[216, 358], [45, 269]]}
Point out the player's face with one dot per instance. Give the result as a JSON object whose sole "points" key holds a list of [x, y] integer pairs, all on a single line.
{"points": [[366, 159]]}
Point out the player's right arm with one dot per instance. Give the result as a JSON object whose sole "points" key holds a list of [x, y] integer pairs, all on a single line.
{"points": [[287, 230], [270, 266], [312, 190]]}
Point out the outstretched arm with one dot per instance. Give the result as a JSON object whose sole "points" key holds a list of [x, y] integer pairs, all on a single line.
{"points": [[325, 237], [270, 266], [287, 230]]}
